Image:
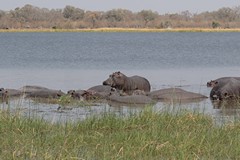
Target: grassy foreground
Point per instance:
(126, 30)
(148, 135)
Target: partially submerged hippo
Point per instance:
(95, 92)
(45, 94)
(76, 94)
(101, 88)
(228, 90)
(14, 93)
(220, 81)
(130, 99)
(40, 92)
(175, 94)
(128, 84)
(29, 88)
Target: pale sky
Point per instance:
(161, 6)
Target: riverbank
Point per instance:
(149, 135)
(125, 30)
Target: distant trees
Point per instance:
(72, 17)
(73, 13)
(147, 16)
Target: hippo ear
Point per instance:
(216, 82)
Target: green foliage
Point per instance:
(215, 25)
(149, 135)
(73, 13)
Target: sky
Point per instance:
(160, 6)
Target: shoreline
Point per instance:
(124, 30)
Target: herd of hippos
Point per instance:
(132, 90)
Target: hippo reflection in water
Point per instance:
(127, 84)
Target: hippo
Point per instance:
(50, 93)
(40, 92)
(101, 88)
(30, 89)
(228, 90)
(14, 93)
(175, 94)
(96, 92)
(76, 94)
(130, 99)
(127, 84)
(220, 81)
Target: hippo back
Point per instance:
(220, 81)
(101, 88)
(140, 83)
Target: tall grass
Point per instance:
(148, 135)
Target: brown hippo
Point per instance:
(175, 94)
(40, 92)
(96, 92)
(45, 94)
(30, 89)
(101, 88)
(222, 80)
(228, 90)
(14, 93)
(130, 99)
(127, 84)
(76, 94)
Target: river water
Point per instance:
(81, 60)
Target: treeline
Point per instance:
(71, 17)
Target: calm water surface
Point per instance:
(80, 60)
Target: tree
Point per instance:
(148, 16)
(73, 13)
(215, 24)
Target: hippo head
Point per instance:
(212, 83)
(109, 81)
(73, 94)
(118, 79)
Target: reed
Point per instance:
(125, 30)
(147, 135)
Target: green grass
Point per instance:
(148, 135)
